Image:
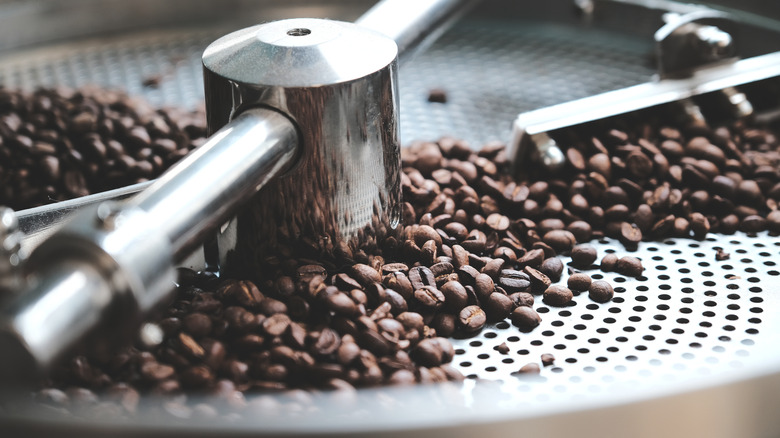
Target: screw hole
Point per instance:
(299, 31)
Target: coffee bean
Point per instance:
(197, 324)
(502, 348)
(472, 319)
(557, 296)
(547, 359)
(561, 241)
(629, 266)
(539, 281)
(600, 291)
(522, 299)
(583, 256)
(525, 318)
(421, 276)
(529, 368)
(514, 281)
(497, 306)
(455, 296)
(630, 235)
(578, 281)
(429, 297)
(433, 352)
(552, 267)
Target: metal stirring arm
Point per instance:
(114, 263)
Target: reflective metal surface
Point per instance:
(338, 83)
(637, 97)
(431, 18)
(113, 264)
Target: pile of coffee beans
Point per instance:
(57, 144)
(478, 246)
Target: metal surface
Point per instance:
(723, 383)
(307, 69)
(431, 18)
(647, 95)
(337, 82)
(114, 263)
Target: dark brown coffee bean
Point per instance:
(583, 256)
(514, 281)
(630, 235)
(522, 299)
(429, 297)
(421, 276)
(547, 359)
(197, 324)
(525, 318)
(472, 319)
(529, 368)
(483, 285)
(532, 258)
(502, 348)
(433, 352)
(561, 241)
(365, 274)
(497, 222)
(539, 281)
(600, 291)
(552, 267)
(578, 281)
(557, 295)
(455, 296)
(629, 266)
(497, 306)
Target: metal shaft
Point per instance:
(413, 24)
(205, 189)
(114, 263)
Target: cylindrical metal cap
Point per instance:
(338, 83)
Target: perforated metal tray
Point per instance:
(686, 350)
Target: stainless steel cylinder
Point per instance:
(338, 83)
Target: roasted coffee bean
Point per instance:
(429, 297)
(497, 306)
(529, 368)
(472, 319)
(522, 299)
(629, 266)
(609, 262)
(525, 318)
(455, 295)
(552, 267)
(433, 352)
(502, 348)
(578, 281)
(514, 281)
(630, 235)
(539, 281)
(557, 295)
(547, 359)
(600, 291)
(421, 276)
(583, 256)
(561, 241)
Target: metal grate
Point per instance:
(689, 318)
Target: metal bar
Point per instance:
(647, 95)
(203, 190)
(413, 24)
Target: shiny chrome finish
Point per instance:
(114, 263)
(693, 40)
(413, 24)
(704, 80)
(205, 189)
(11, 256)
(338, 82)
